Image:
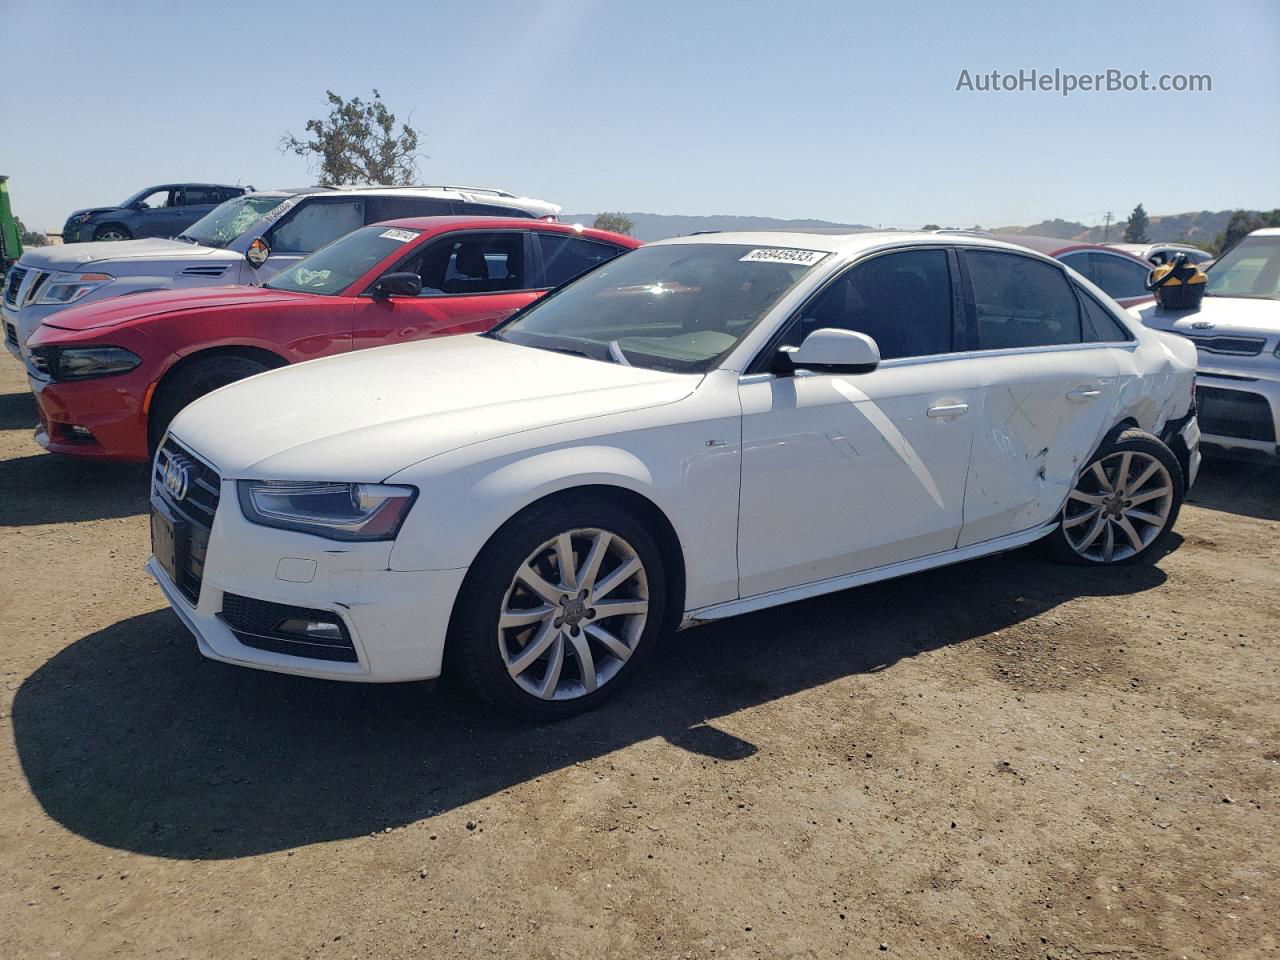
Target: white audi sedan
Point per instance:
(703, 427)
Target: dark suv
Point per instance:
(163, 211)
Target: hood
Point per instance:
(90, 210)
(366, 415)
(116, 310)
(74, 256)
(1228, 315)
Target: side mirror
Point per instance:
(397, 285)
(139, 205)
(257, 253)
(829, 350)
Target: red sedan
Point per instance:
(109, 376)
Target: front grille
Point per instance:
(1235, 413)
(256, 624)
(1230, 346)
(15, 278)
(194, 510)
(11, 334)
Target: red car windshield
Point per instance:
(333, 268)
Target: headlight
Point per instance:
(81, 218)
(339, 511)
(80, 363)
(70, 287)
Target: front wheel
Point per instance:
(111, 232)
(1124, 503)
(559, 609)
(201, 377)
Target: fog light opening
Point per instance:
(314, 630)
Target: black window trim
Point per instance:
(541, 274)
(762, 362)
(528, 246)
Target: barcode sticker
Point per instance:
(804, 258)
(404, 236)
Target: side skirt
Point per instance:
(804, 591)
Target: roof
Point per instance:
(441, 224)
(1266, 232)
(847, 243)
(471, 194)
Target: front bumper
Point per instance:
(396, 620)
(110, 408)
(1239, 414)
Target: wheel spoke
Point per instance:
(617, 608)
(1079, 518)
(591, 563)
(609, 641)
(1095, 531)
(1109, 545)
(1131, 533)
(613, 580)
(564, 560)
(1152, 518)
(1122, 474)
(1147, 495)
(586, 662)
(1101, 476)
(522, 618)
(1097, 499)
(530, 578)
(543, 639)
(1145, 475)
(552, 677)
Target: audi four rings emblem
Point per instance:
(177, 478)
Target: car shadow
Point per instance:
(129, 738)
(44, 488)
(1243, 487)
(17, 411)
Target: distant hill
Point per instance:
(1198, 228)
(660, 226)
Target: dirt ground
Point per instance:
(1004, 759)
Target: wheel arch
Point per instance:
(118, 224)
(174, 373)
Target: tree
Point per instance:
(1241, 224)
(1135, 228)
(30, 238)
(931, 226)
(614, 222)
(358, 143)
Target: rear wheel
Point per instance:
(112, 231)
(203, 376)
(1124, 504)
(559, 609)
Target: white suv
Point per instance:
(702, 427)
(244, 240)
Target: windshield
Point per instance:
(1249, 269)
(331, 269)
(677, 307)
(227, 221)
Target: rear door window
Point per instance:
(311, 225)
(396, 208)
(565, 257)
(1119, 277)
(197, 195)
(1021, 302)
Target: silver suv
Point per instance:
(245, 240)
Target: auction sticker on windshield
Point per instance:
(404, 236)
(805, 258)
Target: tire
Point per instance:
(561, 654)
(1105, 522)
(203, 376)
(112, 231)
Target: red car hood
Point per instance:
(138, 306)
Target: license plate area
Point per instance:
(168, 536)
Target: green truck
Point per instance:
(10, 239)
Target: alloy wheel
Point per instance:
(573, 614)
(108, 235)
(1120, 504)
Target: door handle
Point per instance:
(1084, 394)
(943, 410)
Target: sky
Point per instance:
(844, 111)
